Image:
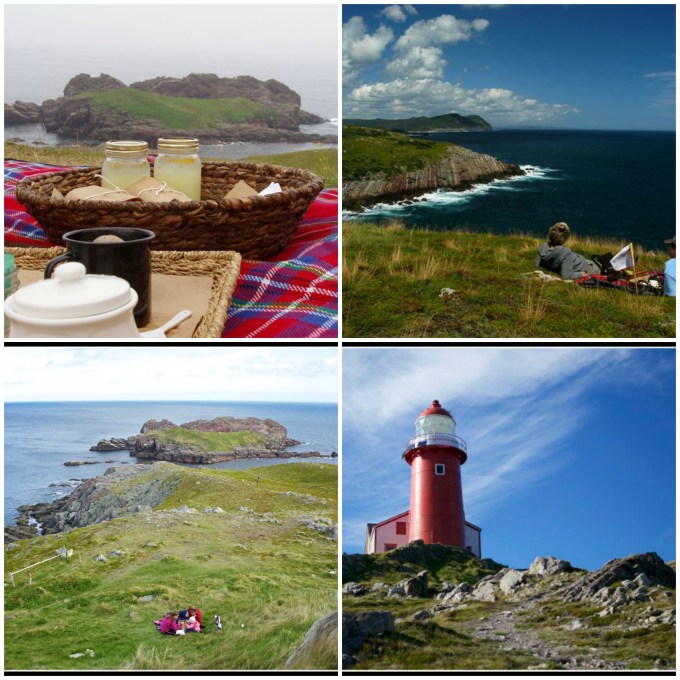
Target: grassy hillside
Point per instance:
(181, 113)
(367, 151)
(267, 574)
(323, 162)
(447, 121)
(443, 563)
(209, 442)
(392, 278)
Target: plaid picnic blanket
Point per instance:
(293, 295)
(640, 288)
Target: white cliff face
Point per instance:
(459, 171)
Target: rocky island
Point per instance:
(384, 166)
(219, 440)
(201, 105)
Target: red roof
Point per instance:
(435, 409)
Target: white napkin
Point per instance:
(273, 188)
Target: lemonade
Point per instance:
(179, 166)
(125, 164)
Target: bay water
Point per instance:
(602, 183)
(40, 437)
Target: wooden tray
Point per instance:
(221, 266)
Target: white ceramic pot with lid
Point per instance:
(73, 304)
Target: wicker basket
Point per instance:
(224, 267)
(257, 227)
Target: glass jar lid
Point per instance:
(127, 149)
(178, 145)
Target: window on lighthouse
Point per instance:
(439, 469)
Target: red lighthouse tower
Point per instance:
(435, 455)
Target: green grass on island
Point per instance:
(367, 152)
(209, 442)
(392, 278)
(267, 574)
(179, 112)
(322, 162)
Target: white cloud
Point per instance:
(430, 96)
(398, 13)
(418, 62)
(360, 48)
(172, 373)
(444, 29)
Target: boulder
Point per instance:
(322, 635)
(396, 591)
(548, 566)
(511, 580)
(354, 589)
(415, 586)
(456, 595)
(356, 628)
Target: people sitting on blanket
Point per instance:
(669, 270)
(191, 611)
(170, 625)
(556, 257)
(192, 625)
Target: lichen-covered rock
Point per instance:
(511, 580)
(322, 634)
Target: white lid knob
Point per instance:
(70, 271)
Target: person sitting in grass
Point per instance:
(556, 257)
(169, 624)
(669, 270)
(192, 625)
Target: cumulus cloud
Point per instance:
(442, 30)
(398, 13)
(429, 96)
(419, 62)
(361, 48)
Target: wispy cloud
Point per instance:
(663, 85)
(398, 13)
(519, 409)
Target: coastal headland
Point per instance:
(222, 439)
(383, 166)
(202, 105)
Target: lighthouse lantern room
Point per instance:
(436, 513)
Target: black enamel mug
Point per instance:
(129, 259)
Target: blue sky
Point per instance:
(571, 451)
(572, 66)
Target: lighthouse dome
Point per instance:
(435, 420)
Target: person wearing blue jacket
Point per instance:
(556, 257)
(669, 270)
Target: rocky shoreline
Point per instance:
(75, 116)
(461, 170)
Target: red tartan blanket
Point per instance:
(294, 295)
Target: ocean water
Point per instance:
(40, 437)
(614, 184)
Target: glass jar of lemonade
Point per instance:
(179, 166)
(125, 164)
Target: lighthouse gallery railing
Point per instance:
(435, 440)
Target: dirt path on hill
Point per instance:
(503, 628)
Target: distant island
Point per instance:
(201, 105)
(447, 122)
(386, 166)
(219, 440)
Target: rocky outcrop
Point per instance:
(21, 113)
(84, 82)
(549, 566)
(146, 445)
(119, 491)
(649, 565)
(75, 115)
(459, 171)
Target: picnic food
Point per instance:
(125, 163)
(178, 165)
